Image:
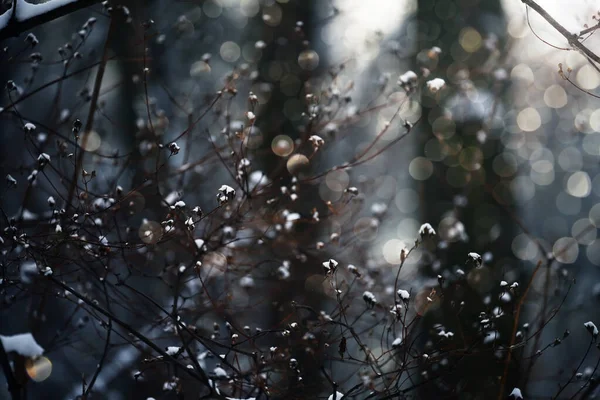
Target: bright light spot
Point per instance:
(579, 184)
(407, 200)
(308, 60)
(524, 248)
(420, 168)
(230, 51)
(522, 73)
(92, 142)
(282, 145)
(392, 249)
(588, 78)
(584, 231)
(150, 232)
(470, 40)
(199, 68)
(555, 96)
(297, 163)
(595, 120)
(566, 250)
(529, 119)
(337, 180)
(38, 369)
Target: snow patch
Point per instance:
(27, 11)
(23, 343)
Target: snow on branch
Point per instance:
(22, 16)
(23, 343)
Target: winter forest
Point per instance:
(299, 199)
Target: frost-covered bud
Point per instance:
(251, 116)
(283, 272)
(369, 298)
(51, 201)
(378, 209)
(198, 211)
(435, 85)
(519, 335)
(252, 98)
(352, 269)
(404, 294)
(408, 81)
(338, 396)
(200, 244)
(174, 148)
(189, 223)
(32, 176)
(330, 265)
(426, 231)
(473, 259)
(77, 126)
(11, 86)
(247, 281)
(244, 164)
(407, 78)
(29, 127)
(43, 159)
(225, 194)
(10, 181)
(403, 254)
(352, 190)
(90, 22)
(173, 350)
(516, 394)
(32, 39)
(592, 329)
(316, 141)
(178, 204)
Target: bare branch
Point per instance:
(572, 38)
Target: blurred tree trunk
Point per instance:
(284, 43)
(469, 34)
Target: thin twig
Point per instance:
(93, 106)
(572, 38)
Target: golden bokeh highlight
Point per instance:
(92, 142)
(282, 145)
(297, 163)
(470, 39)
(38, 369)
(308, 60)
(150, 232)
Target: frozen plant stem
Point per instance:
(93, 106)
